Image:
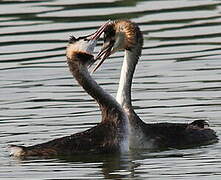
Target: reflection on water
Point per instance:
(177, 80)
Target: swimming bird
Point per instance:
(126, 35)
(109, 136)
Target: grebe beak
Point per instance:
(104, 53)
(95, 36)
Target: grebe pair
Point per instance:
(120, 128)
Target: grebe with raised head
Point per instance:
(109, 136)
(126, 35)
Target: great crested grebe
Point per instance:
(126, 35)
(109, 136)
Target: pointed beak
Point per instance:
(104, 53)
(95, 36)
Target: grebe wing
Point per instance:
(98, 139)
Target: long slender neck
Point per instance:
(110, 109)
(127, 71)
(124, 89)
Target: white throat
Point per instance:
(124, 88)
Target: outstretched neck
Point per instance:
(125, 83)
(110, 109)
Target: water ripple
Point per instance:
(177, 80)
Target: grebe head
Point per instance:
(84, 45)
(120, 35)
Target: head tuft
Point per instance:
(72, 39)
(127, 35)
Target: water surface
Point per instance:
(178, 79)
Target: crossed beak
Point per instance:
(104, 53)
(95, 36)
